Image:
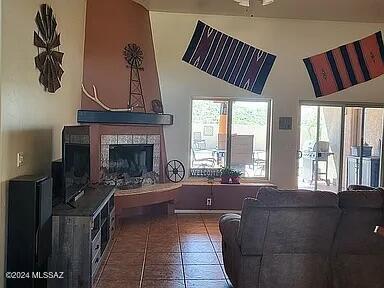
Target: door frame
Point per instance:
(343, 106)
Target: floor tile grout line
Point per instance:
(181, 251)
(107, 257)
(145, 256)
(179, 224)
(216, 252)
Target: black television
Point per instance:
(76, 160)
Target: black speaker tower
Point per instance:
(29, 242)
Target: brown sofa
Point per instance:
(292, 239)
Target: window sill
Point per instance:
(243, 182)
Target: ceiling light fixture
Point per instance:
(246, 2)
(267, 2)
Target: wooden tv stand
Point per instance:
(81, 238)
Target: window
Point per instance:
(248, 123)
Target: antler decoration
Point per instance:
(95, 99)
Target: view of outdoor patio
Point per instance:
(325, 140)
(248, 144)
(319, 148)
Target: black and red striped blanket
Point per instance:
(228, 59)
(347, 65)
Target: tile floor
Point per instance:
(178, 251)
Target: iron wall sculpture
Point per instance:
(49, 60)
(133, 55)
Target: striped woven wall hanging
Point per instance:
(347, 65)
(228, 59)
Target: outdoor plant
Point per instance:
(226, 171)
(235, 176)
(229, 175)
(225, 175)
(236, 173)
(211, 179)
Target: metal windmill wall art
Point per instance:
(134, 56)
(49, 60)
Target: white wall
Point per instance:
(31, 119)
(288, 83)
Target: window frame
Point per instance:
(230, 101)
(344, 105)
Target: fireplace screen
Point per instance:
(134, 160)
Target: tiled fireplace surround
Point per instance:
(123, 139)
(104, 135)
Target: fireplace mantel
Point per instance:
(137, 118)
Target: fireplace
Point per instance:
(135, 160)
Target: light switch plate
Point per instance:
(20, 159)
(285, 123)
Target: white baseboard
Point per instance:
(207, 211)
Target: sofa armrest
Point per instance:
(229, 227)
(379, 231)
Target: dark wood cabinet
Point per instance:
(29, 242)
(81, 237)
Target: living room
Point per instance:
(127, 72)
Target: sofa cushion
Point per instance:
(359, 188)
(270, 197)
(358, 253)
(362, 199)
(362, 211)
(294, 271)
(358, 271)
(285, 222)
(301, 230)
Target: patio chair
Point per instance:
(203, 162)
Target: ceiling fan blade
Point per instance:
(267, 2)
(244, 3)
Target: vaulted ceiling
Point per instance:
(332, 10)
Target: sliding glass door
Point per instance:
(340, 145)
(373, 137)
(363, 146)
(320, 143)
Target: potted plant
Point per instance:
(225, 174)
(235, 176)
(211, 179)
